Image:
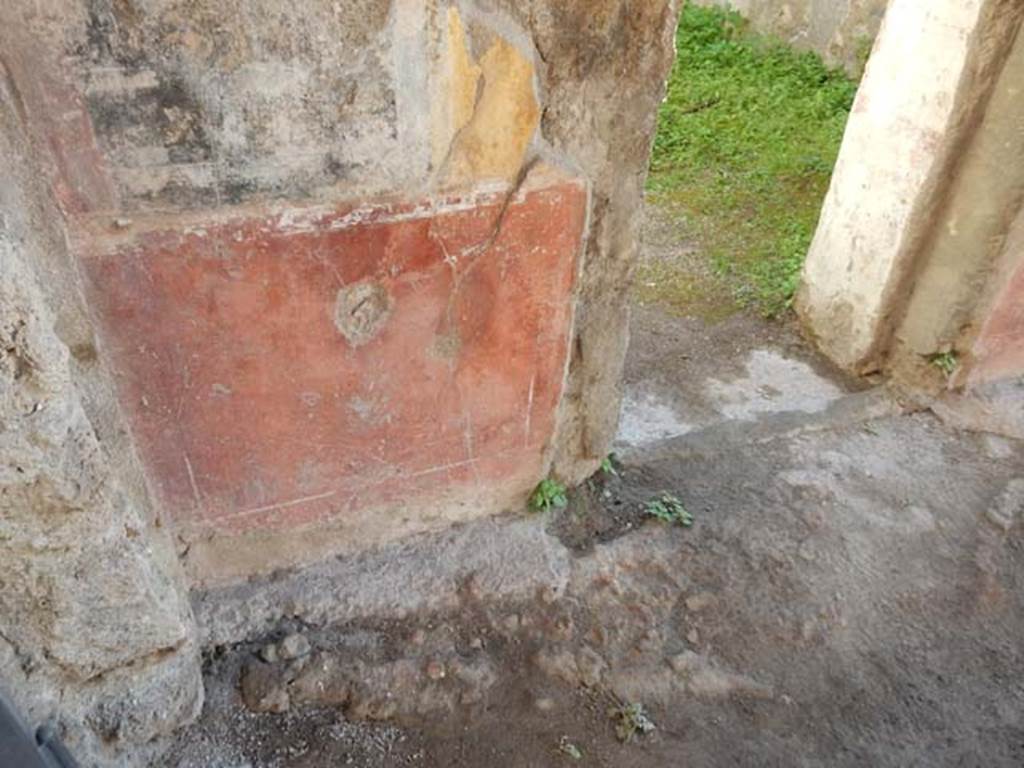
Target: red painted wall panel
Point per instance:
(252, 408)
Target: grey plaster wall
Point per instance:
(842, 31)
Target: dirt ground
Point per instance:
(851, 593)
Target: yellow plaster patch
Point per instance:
(490, 110)
(460, 77)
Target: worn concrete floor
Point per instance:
(851, 593)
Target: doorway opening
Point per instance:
(746, 141)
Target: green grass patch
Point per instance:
(683, 292)
(746, 142)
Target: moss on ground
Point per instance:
(746, 142)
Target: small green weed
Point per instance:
(669, 509)
(631, 720)
(747, 137)
(947, 362)
(548, 493)
(566, 747)
(608, 465)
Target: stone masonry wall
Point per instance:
(288, 280)
(175, 128)
(973, 248)
(916, 242)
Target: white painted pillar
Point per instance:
(888, 170)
